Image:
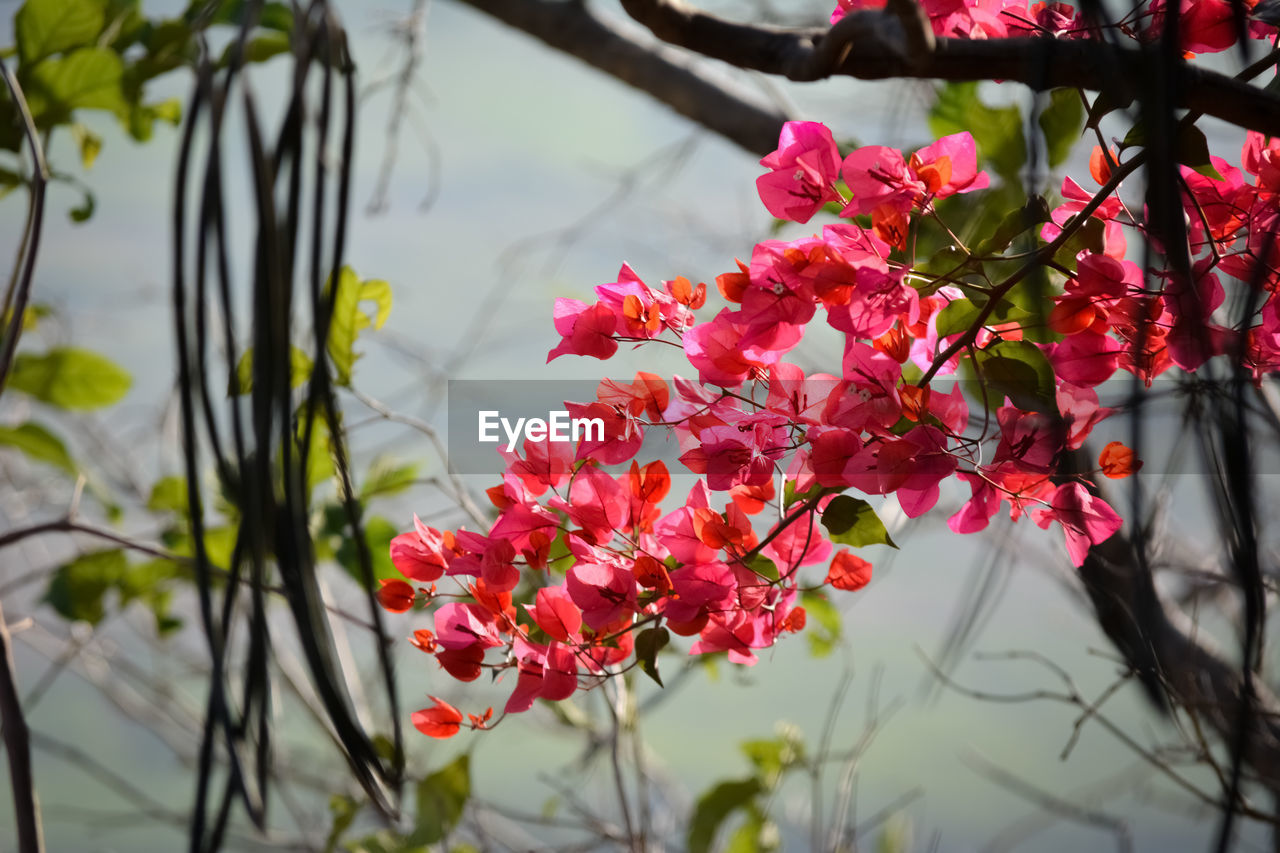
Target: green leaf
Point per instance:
(142, 117)
(649, 642)
(948, 261)
(77, 589)
(348, 319)
(44, 27)
(442, 796)
(1034, 212)
(378, 533)
(772, 758)
(272, 16)
(715, 806)
(852, 521)
(996, 130)
(39, 444)
(260, 48)
(384, 841)
(9, 181)
(385, 478)
(824, 613)
(826, 617)
(89, 78)
(896, 835)
(790, 496)
(88, 142)
(300, 367)
(1106, 103)
(1193, 151)
(1018, 370)
(757, 834)
(169, 494)
(1089, 237)
(1061, 122)
(958, 316)
(764, 567)
(84, 211)
(70, 378)
(344, 811)
(320, 465)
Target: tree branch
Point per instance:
(872, 45)
(1160, 640)
(17, 743)
(662, 72)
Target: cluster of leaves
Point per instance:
(605, 576)
(70, 379)
(75, 56)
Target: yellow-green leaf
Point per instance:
(70, 378)
(39, 444)
(44, 27)
(441, 798)
(88, 142)
(88, 78)
(347, 319)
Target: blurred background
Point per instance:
(521, 175)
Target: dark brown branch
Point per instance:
(19, 290)
(871, 45)
(655, 69)
(17, 744)
(1153, 636)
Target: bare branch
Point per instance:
(871, 45)
(17, 744)
(664, 73)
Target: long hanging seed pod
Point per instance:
(261, 466)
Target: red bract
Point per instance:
(587, 330)
(441, 720)
(556, 614)
(420, 554)
(395, 595)
(1118, 461)
(848, 571)
(582, 557)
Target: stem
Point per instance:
(17, 742)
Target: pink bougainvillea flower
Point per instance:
(420, 554)
(699, 589)
(549, 673)
(976, 514)
(949, 166)
(622, 436)
(459, 625)
(638, 310)
(881, 179)
(597, 503)
(799, 544)
(802, 172)
(586, 330)
(555, 613)
(604, 592)
(1086, 520)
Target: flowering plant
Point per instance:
(606, 575)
